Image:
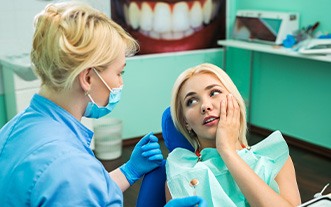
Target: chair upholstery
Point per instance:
(172, 137)
(152, 190)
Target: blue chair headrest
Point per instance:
(152, 191)
(172, 137)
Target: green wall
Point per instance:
(3, 116)
(289, 94)
(293, 95)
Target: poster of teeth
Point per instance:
(162, 26)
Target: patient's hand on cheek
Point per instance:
(229, 124)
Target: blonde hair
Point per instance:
(70, 37)
(176, 106)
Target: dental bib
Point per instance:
(215, 183)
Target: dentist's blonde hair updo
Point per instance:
(71, 37)
(176, 107)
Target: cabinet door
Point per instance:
(21, 84)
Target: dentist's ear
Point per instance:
(84, 79)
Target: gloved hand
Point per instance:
(145, 157)
(191, 201)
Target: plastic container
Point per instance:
(107, 138)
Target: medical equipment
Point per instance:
(264, 26)
(320, 193)
(319, 200)
(315, 46)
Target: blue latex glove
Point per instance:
(191, 201)
(289, 41)
(145, 157)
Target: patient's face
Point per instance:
(201, 96)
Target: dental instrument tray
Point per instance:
(315, 46)
(319, 200)
(322, 201)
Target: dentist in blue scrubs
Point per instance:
(45, 156)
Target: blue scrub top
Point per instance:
(45, 160)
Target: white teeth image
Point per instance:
(178, 35)
(196, 16)
(154, 35)
(146, 18)
(180, 17)
(144, 32)
(207, 11)
(134, 15)
(126, 14)
(188, 32)
(162, 18)
(170, 21)
(166, 36)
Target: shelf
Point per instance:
(278, 50)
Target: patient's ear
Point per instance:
(188, 127)
(84, 79)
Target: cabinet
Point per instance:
(19, 83)
(264, 48)
(287, 91)
(277, 50)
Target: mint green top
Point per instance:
(216, 184)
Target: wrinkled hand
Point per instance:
(191, 201)
(229, 124)
(145, 157)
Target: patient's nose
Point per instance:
(206, 107)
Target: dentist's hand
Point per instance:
(145, 157)
(191, 201)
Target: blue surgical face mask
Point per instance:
(94, 111)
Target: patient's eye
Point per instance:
(215, 92)
(191, 101)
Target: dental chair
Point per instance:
(152, 190)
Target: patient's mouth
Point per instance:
(162, 26)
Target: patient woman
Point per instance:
(209, 111)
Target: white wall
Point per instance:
(16, 24)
